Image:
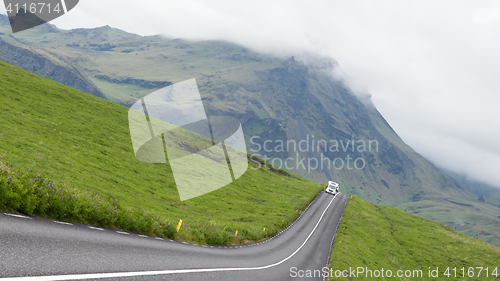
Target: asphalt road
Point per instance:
(42, 249)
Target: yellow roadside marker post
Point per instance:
(179, 225)
(236, 234)
(264, 229)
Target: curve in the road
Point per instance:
(173, 271)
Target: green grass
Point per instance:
(28, 192)
(375, 237)
(81, 141)
(476, 219)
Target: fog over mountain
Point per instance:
(431, 67)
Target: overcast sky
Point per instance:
(432, 67)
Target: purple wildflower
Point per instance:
(53, 184)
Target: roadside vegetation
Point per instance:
(82, 144)
(30, 193)
(379, 237)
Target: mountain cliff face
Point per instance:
(343, 137)
(295, 115)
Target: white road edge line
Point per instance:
(121, 232)
(162, 272)
(17, 216)
(96, 228)
(61, 222)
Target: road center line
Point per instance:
(164, 272)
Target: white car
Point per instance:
(332, 188)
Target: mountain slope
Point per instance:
(39, 61)
(398, 241)
(52, 69)
(275, 100)
(82, 141)
(485, 192)
(278, 100)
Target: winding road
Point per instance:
(36, 249)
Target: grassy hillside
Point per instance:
(448, 202)
(82, 141)
(378, 237)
